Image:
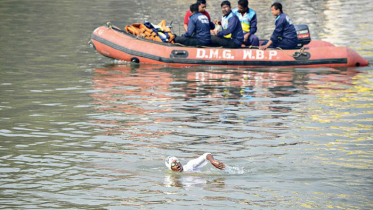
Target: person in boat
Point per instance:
(284, 35)
(231, 35)
(194, 165)
(198, 32)
(248, 21)
(201, 9)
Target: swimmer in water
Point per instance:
(194, 165)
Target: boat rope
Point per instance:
(301, 52)
(198, 46)
(109, 25)
(181, 45)
(117, 30)
(296, 54)
(178, 24)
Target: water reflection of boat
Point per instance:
(242, 83)
(136, 96)
(119, 45)
(154, 83)
(320, 79)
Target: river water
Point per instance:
(79, 131)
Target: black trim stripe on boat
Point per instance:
(217, 62)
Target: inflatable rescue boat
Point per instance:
(115, 43)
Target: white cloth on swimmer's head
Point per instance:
(195, 165)
(169, 160)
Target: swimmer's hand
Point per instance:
(215, 163)
(218, 164)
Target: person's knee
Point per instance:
(254, 40)
(233, 44)
(180, 39)
(217, 41)
(253, 37)
(177, 39)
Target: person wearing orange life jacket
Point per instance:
(201, 9)
(198, 33)
(248, 21)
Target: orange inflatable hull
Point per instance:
(126, 47)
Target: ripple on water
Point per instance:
(76, 134)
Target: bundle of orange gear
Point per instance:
(139, 29)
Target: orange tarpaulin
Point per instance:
(139, 29)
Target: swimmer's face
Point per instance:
(176, 166)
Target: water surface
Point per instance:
(80, 131)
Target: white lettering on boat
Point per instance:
(201, 53)
(228, 54)
(247, 54)
(259, 54)
(272, 53)
(214, 53)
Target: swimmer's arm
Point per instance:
(215, 163)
